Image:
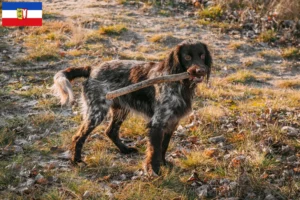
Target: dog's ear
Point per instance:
(172, 62)
(208, 60)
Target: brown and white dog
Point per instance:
(163, 105)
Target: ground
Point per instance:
(242, 140)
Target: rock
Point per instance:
(290, 131)
(23, 190)
(135, 178)
(225, 147)
(12, 150)
(34, 137)
(233, 185)
(286, 149)
(217, 139)
(270, 197)
(202, 191)
(21, 142)
(123, 177)
(287, 24)
(292, 158)
(66, 155)
(39, 176)
(209, 3)
(25, 88)
(30, 103)
(29, 182)
(224, 181)
(86, 194)
(138, 173)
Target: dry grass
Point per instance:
(285, 10)
(41, 50)
(269, 54)
(247, 115)
(158, 37)
(289, 84)
(243, 77)
(236, 44)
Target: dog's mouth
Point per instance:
(197, 74)
(197, 79)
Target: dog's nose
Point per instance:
(200, 71)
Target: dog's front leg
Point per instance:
(154, 150)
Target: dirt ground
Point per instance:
(242, 140)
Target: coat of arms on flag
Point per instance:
(22, 14)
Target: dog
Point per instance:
(163, 105)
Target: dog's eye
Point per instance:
(202, 56)
(187, 57)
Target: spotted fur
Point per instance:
(163, 105)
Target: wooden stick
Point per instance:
(146, 83)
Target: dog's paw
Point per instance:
(129, 150)
(79, 163)
(152, 170)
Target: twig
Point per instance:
(146, 83)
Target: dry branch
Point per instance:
(146, 83)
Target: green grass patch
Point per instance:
(267, 36)
(291, 52)
(165, 13)
(113, 30)
(213, 12)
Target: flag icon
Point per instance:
(22, 14)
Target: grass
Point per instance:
(41, 50)
(291, 53)
(267, 36)
(236, 45)
(246, 114)
(157, 38)
(113, 29)
(289, 84)
(128, 55)
(213, 12)
(165, 13)
(243, 77)
(269, 54)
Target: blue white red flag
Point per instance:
(22, 14)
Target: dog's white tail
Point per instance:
(62, 87)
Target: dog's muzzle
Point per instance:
(197, 73)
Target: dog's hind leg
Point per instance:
(79, 138)
(96, 109)
(112, 131)
(87, 126)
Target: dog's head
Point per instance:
(193, 57)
